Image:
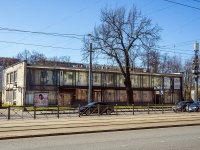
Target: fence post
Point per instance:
(58, 111)
(79, 110)
(34, 112)
(133, 109)
(116, 110)
(23, 109)
(175, 108)
(162, 109)
(107, 110)
(148, 107)
(9, 112)
(98, 110)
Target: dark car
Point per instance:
(96, 108)
(194, 107)
(181, 106)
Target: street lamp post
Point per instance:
(90, 75)
(195, 70)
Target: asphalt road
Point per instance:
(176, 138)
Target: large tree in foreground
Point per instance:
(119, 37)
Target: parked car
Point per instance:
(96, 108)
(194, 107)
(181, 106)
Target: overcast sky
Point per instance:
(179, 19)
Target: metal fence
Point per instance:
(21, 112)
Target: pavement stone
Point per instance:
(13, 129)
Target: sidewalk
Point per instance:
(90, 124)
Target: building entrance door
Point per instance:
(157, 98)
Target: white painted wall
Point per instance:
(18, 86)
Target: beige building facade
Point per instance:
(43, 85)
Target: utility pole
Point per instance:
(90, 76)
(195, 69)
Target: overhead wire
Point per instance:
(37, 45)
(43, 33)
(183, 4)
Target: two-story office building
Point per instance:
(43, 85)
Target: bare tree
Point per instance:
(150, 58)
(188, 79)
(25, 55)
(119, 36)
(177, 65)
(60, 59)
(31, 57)
(172, 64)
(164, 67)
(35, 57)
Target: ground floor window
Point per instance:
(109, 95)
(32, 96)
(123, 96)
(146, 96)
(66, 97)
(82, 95)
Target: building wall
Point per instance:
(66, 86)
(72, 86)
(13, 85)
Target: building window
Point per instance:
(109, 96)
(157, 81)
(68, 78)
(97, 79)
(177, 83)
(120, 81)
(48, 77)
(122, 96)
(14, 95)
(12, 77)
(82, 78)
(147, 96)
(108, 80)
(145, 81)
(136, 96)
(82, 95)
(135, 80)
(8, 78)
(15, 76)
(167, 83)
(43, 77)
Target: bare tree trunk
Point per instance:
(128, 85)
(129, 92)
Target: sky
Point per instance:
(179, 20)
